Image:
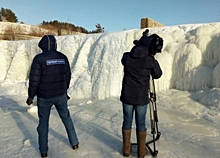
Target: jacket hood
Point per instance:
(139, 52)
(145, 41)
(48, 42)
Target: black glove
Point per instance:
(68, 97)
(135, 42)
(29, 101)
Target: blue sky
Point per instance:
(114, 15)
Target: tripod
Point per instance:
(154, 120)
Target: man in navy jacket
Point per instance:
(49, 80)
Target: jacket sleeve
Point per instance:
(156, 70)
(123, 59)
(68, 73)
(34, 78)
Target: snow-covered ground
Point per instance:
(188, 95)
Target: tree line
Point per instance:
(9, 15)
(59, 26)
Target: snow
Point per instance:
(24, 28)
(188, 95)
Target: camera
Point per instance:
(154, 43)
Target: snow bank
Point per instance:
(24, 28)
(190, 60)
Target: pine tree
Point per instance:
(8, 15)
(99, 28)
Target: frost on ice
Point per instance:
(190, 60)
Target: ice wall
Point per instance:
(190, 60)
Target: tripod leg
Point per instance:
(154, 120)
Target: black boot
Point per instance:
(75, 146)
(44, 155)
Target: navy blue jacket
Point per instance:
(50, 71)
(138, 66)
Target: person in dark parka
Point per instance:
(139, 64)
(49, 80)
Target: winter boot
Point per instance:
(75, 146)
(141, 140)
(43, 155)
(126, 142)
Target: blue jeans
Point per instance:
(140, 116)
(44, 107)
